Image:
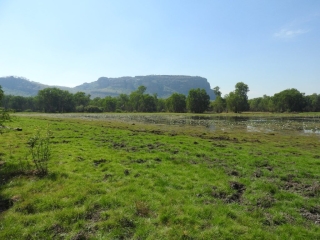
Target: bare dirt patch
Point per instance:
(312, 214)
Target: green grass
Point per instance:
(113, 180)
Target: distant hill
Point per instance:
(20, 86)
(163, 85)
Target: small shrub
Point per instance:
(39, 146)
(92, 109)
(80, 108)
(4, 117)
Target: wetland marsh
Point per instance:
(158, 176)
(305, 124)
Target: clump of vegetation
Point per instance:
(4, 114)
(39, 146)
(4, 117)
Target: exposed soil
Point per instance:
(266, 201)
(309, 190)
(93, 216)
(98, 162)
(57, 229)
(140, 161)
(80, 236)
(258, 173)
(235, 197)
(5, 204)
(312, 214)
(233, 173)
(118, 145)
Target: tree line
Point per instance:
(53, 100)
(289, 100)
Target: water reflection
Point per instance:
(225, 123)
(304, 125)
(311, 131)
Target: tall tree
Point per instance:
(313, 102)
(149, 103)
(110, 104)
(176, 103)
(237, 101)
(219, 104)
(198, 100)
(216, 91)
(123, 102)
(97, 101)
(141, 102)
(161, 105)
(81, 99)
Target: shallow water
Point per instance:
(301, 125)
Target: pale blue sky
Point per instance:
(271, 45)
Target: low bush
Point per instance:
(39, 146)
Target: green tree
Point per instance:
(237, 101)
(261, 104)
(141, 89)
(81, 99)
(312, 102)
(149, 103)
(136, 99)
(123, 102)
(290, 100)
(216, 91)
(198, 100)
(161, 105)
(219, 104)
(110, 104)
(97, 101)
(176, 103)
(55, 100)
(19, 103)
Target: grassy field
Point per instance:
(118, 180)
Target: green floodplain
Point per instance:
(161, 176)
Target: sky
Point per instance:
(270, 45)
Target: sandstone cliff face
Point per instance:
(163, 85)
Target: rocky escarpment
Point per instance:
(162, 85)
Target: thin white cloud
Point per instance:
(288, 33)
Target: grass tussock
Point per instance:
(117, 180)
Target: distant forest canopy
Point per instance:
(163, 85)
(54, 100)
